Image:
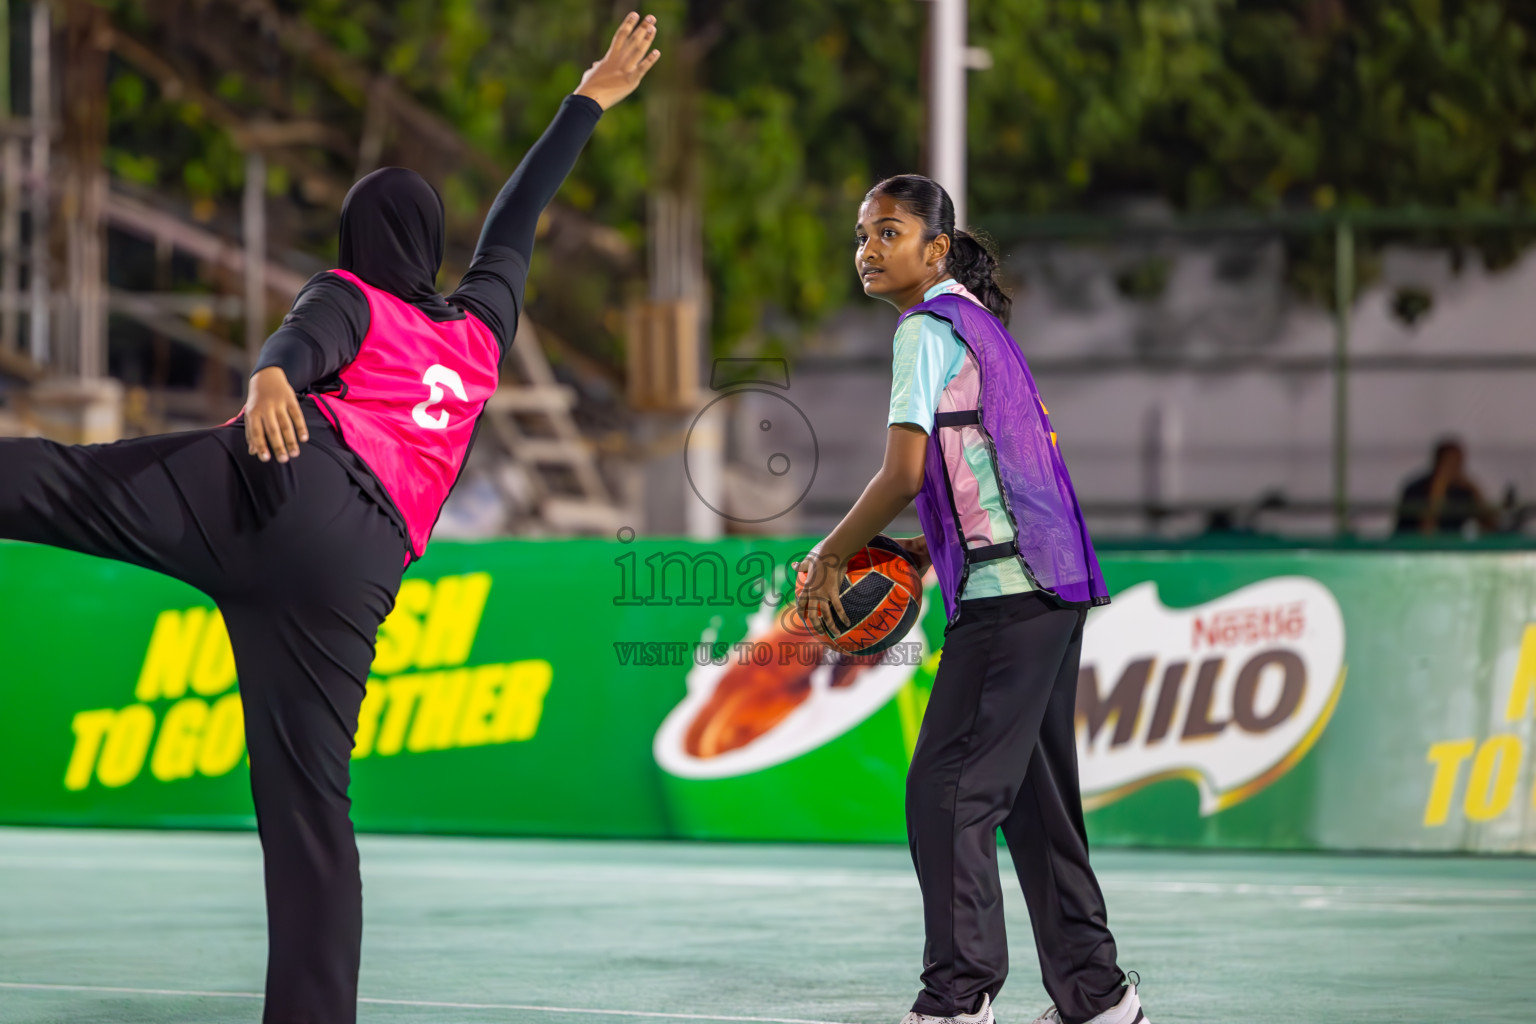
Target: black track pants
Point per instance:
(304, 568)
(997, 750)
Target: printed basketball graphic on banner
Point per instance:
(1229, 695)
(749, 714)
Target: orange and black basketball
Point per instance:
(881, 592)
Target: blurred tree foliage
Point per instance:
(1219, 104)
(1271, 105)
(1207, 104)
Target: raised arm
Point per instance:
(515, 213)
(493, 286)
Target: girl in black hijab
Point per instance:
(304, 557)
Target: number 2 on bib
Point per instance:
(437, 378)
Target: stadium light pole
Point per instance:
(946, 99)
(949, 57)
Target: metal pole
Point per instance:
(11, 175)
(1344, 294)
(253, 216)
(10, 195)
(5, 58)
(946, 100)
(81, 321)
(42, 116)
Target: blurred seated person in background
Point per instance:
(1445, 499)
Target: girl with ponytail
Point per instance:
(969, 440)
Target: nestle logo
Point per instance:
(1247, 627)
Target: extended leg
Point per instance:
(304, 567)
(115, 500)
(1049, 845)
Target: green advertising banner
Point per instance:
(1274, 699)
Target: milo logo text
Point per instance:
(1229, 695)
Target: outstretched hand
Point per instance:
(618, 72)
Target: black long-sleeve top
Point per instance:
(324, 330)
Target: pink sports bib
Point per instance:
(409, 402)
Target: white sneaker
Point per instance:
(981, 1016)
(1126, 1011)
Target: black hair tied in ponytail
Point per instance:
(971, 260)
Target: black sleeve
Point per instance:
(321, 334)
(492, 288)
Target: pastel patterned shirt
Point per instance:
(932, 371)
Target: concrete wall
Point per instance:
(1138, 422)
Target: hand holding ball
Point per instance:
(880, 591)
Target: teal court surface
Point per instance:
(128, 927)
